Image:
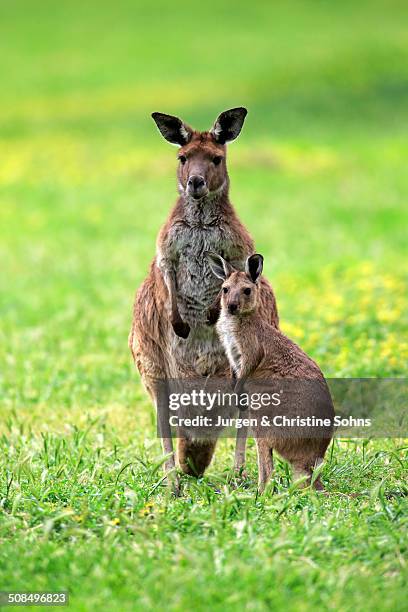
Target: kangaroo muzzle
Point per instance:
(197, 186)
(232, 308)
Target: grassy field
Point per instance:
(319, 176)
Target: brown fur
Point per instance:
(260, 352)
(171, 336)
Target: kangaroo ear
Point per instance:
(254, 266)
(173, 129)
(221, 268)
(229, 124)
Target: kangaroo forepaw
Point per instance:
(181, 329)
(239, 386)
(212, 316)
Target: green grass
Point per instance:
(318, 175)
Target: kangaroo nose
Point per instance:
(196, 182)
(232, 308)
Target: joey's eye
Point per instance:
(247, 291)
(217, 160)
(225, 289)
(182, 159)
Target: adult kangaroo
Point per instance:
(173, 334)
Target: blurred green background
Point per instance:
(319, 176)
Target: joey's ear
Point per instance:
(173, 129)
(229, 124)
(221, 268)
(254, 266)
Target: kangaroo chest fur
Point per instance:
(188, 239)
(196, 285)
(226, 328)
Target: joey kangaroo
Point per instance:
(173, 334)
(257, 352)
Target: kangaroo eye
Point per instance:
(247, 291)
(182, 159)
(217, 160)
(225, 289)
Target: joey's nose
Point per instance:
(196, 182)
(232, 308)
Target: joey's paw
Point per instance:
(238, 478)
(239, 387)
(240, 473)
(173, 482)
(181, 329)
(175, 486)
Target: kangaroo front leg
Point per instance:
(180, 328)
(265, 463)
(248, 364)
(240, 449)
